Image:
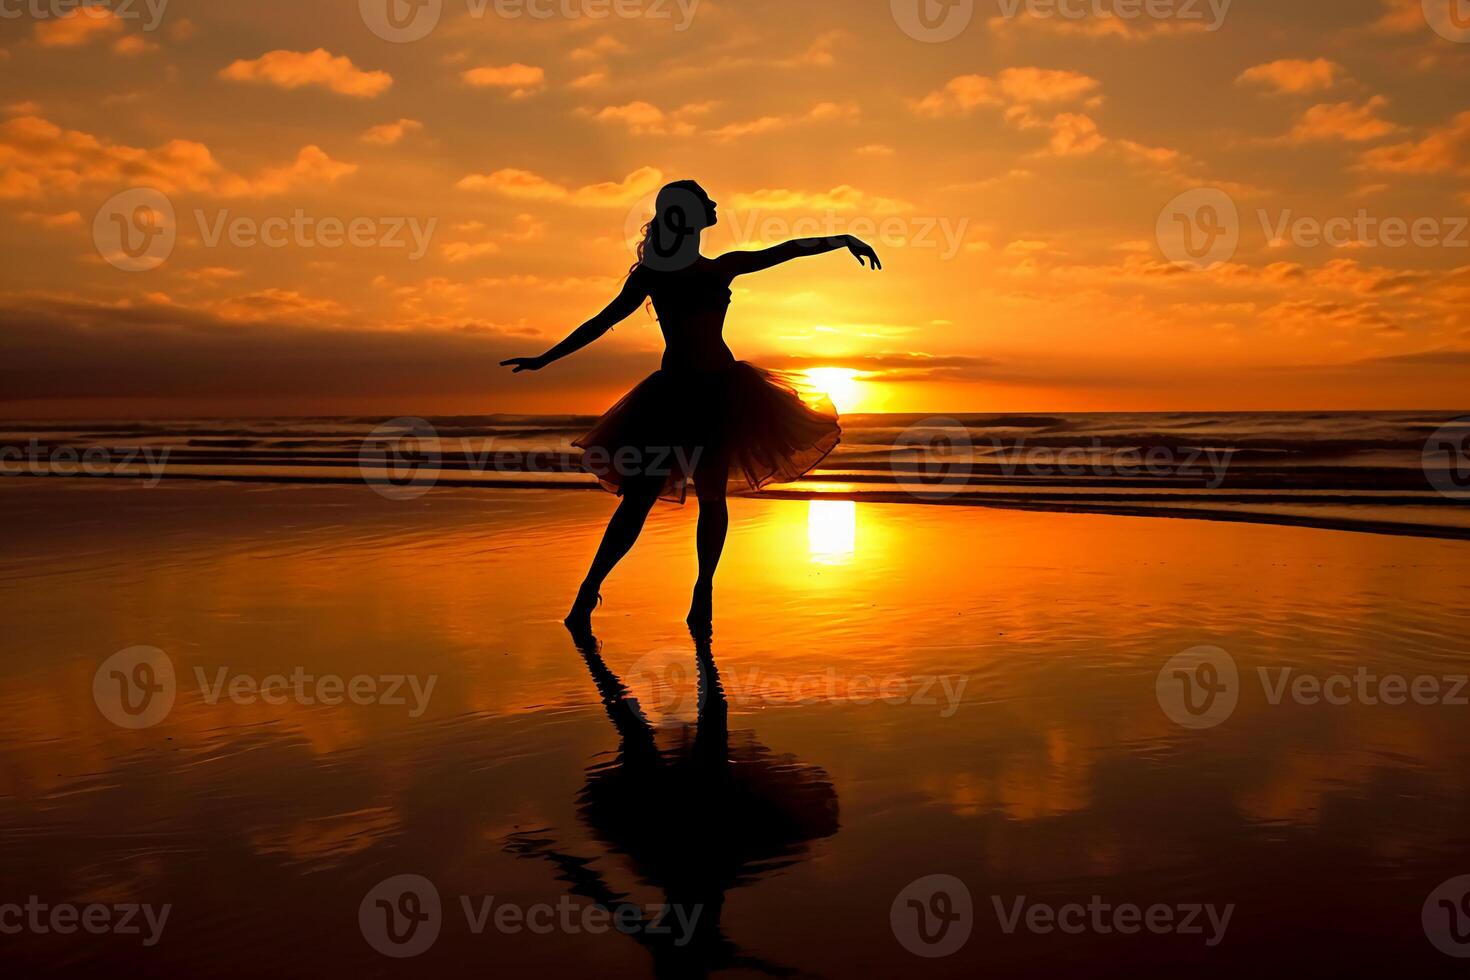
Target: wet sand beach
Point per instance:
(364, 689)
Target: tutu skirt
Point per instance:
(745, 423)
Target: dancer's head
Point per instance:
(671, 238)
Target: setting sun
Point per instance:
(842, 385)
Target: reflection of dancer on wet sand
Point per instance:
(704, 417)
(694, 821)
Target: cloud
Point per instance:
(1160, 157)
(77, 28)
(67, 219)
(821, 112)
(843, 198)
(213, 274)
(1097, 27)
(311, 166)
(896, 366)
(521, 80)
(1401, 17)
(1294, 76)
(528, 186)
(297, 69)
(822, 52)
(600, 48)
(132, 45)
(389, 133)
(256, 347)
(1074, 134)
(456, 252)
(644, 118)
(959, 95)
(589, 81)
(1044, 85)
(1013, 86)
(1343, 121)
(1444, 150)
(37, 157)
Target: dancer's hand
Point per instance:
(524, 364)
(862, 250)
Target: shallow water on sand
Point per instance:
(908, 692)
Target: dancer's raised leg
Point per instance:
(622, 531)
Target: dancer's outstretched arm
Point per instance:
(635, 291)
(741, 263)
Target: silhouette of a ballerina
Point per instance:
(704, 417)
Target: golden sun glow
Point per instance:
(831, 528)
(842, 385)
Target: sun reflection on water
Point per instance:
(831, 527)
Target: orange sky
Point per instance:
(366, 226)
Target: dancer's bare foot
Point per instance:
(579, 620)
(702, 612)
